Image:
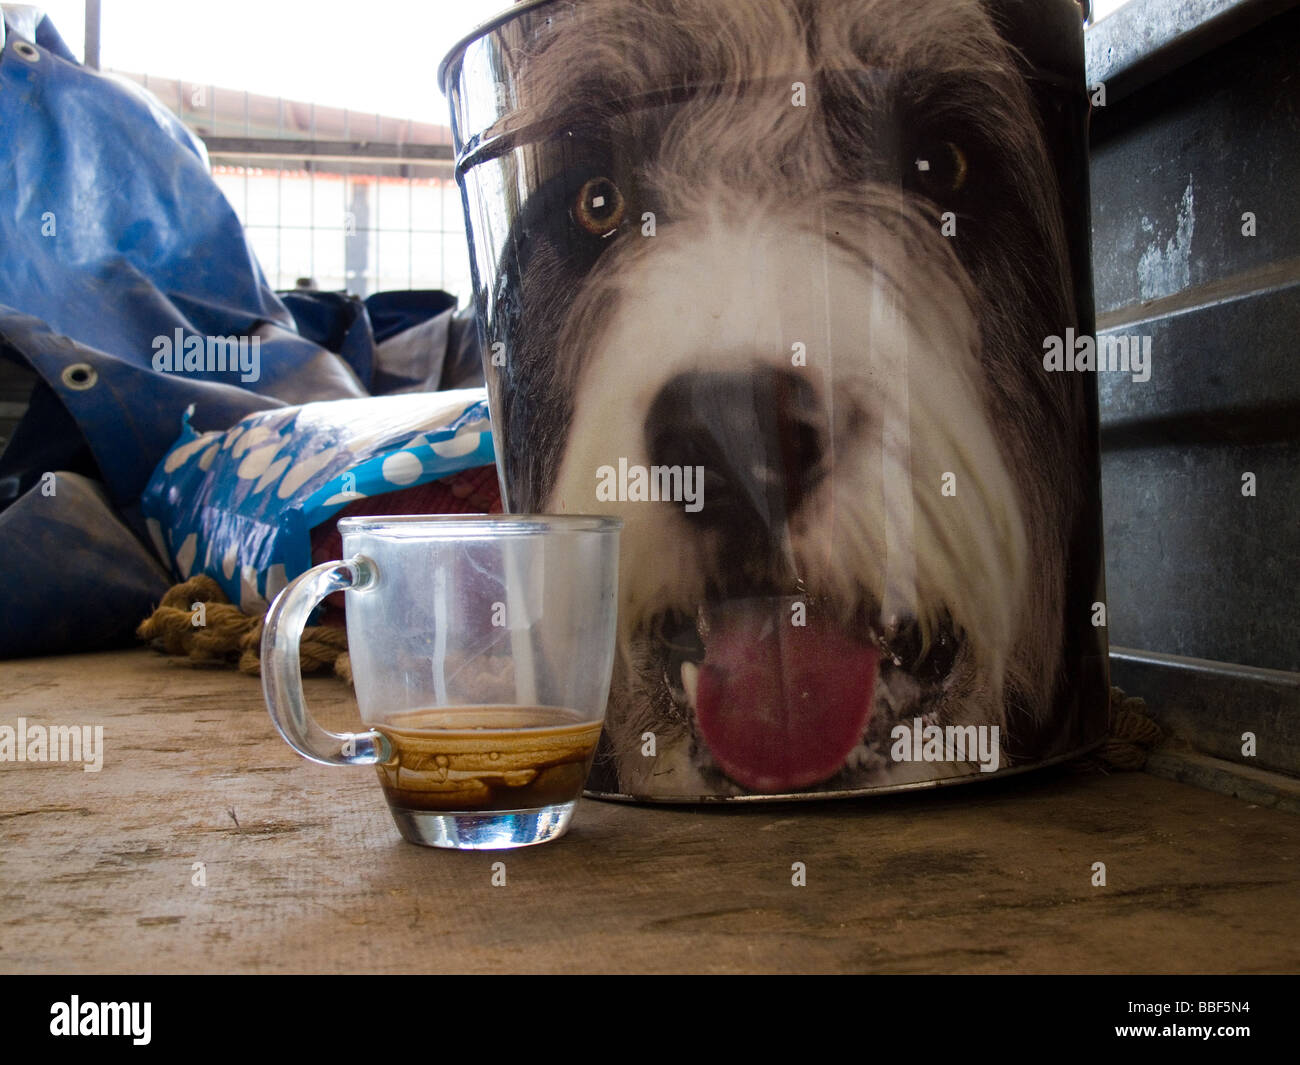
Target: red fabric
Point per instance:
(475, 491)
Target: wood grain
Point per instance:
(305, 871)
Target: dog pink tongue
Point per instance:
(781, 705)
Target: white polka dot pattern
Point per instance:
(241, 503)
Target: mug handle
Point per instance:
(282, 672)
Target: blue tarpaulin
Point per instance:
(116, 249)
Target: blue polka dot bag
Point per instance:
(240, 505)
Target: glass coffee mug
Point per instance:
(481, 651)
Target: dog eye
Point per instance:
(941, 168)
(599, 206)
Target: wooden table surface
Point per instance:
(304, 871)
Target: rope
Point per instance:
(1131, 737)
(231, 637)
(228, 636)
(1133, 734)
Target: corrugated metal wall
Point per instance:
(1196, 244)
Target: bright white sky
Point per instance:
(366, 55)
(1102, 8)
(376, 56)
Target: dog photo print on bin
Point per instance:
(773, 280)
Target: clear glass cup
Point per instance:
(481, 650)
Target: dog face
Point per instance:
(811, 251)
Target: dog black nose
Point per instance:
(758, 437)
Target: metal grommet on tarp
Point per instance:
(27, 51)
(79, 376)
